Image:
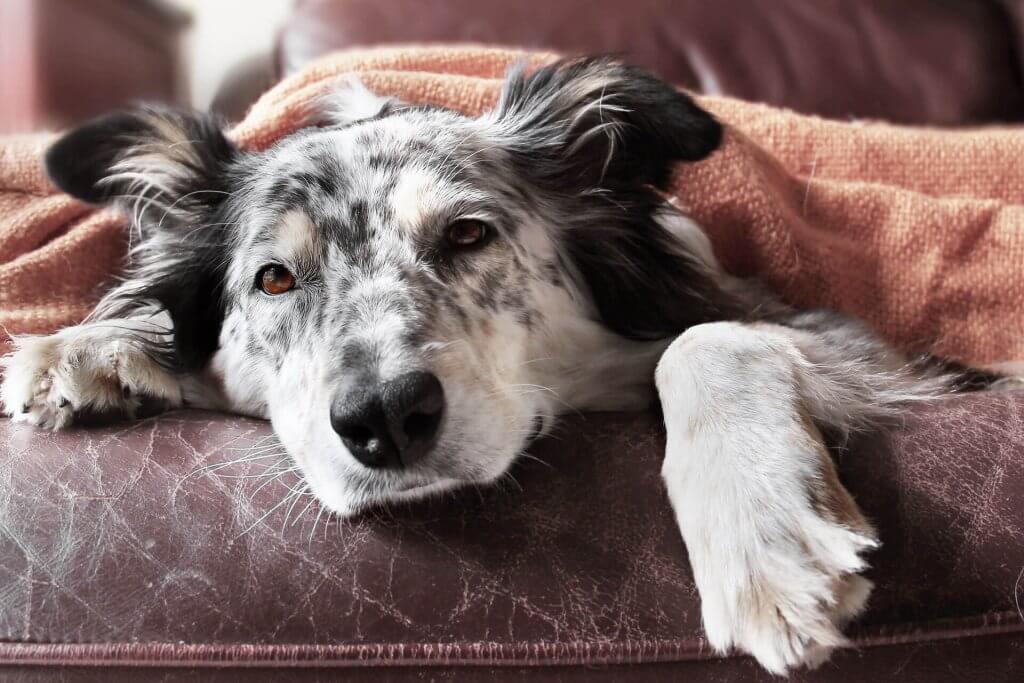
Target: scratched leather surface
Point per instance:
(118, 535)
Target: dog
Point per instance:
(411, 296)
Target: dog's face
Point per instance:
(411, 294)
(395, 285)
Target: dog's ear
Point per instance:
(597, 136)
(157, 153)
(595, 122)
(169, 170)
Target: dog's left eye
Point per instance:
(467, 232)
(275, 279)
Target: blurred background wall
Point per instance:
(211, 53)
(67, 60)
(922, 62)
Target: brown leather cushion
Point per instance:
(941, 62)
(114, 538)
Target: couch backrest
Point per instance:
(940, 62)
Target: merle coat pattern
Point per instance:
(411, 296)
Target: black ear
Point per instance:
(80, 159)
(171, 169)
(593, 121)
(154, 151)
(597, 137)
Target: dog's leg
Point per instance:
(774, 539)
(101, 366)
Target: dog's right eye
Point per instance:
(467, 232)
(275, 279)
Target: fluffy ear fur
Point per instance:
(593, 121)
(171, 170)
(158, 154)
(598, 137)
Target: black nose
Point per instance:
(390, 424)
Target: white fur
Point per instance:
(296, 237)
(95, 366)
(777, 579)
(350, 101)
(417, 192)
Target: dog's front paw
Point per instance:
(786, 596)
(778, 548)
(48, 380)
(29, 392)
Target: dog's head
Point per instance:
(412, 294)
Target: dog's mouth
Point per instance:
(413, 487)
(420, 486)
(406, 492)
(446, 469)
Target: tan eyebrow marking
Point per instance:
(296, 236)
(416, 192)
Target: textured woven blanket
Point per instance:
(920, 232)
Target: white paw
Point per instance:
(774, 539)
(786, 598)
(48, 380)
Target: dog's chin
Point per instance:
(422, 491)
(348, 489)
(348, 498)
(345, 504)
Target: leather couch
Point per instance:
(160, 550)
(937, 62)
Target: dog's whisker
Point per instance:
(297, 493)
(281, 503)
(214, 468)
(323, 509)
(529, 456)
(261, 475)
(270, 480)
(264, 451)
(313, 501)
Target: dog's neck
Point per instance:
(593, 369)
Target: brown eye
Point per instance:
(466, 233)
(275, 279)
